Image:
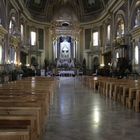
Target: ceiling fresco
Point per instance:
(44, 10)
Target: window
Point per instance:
(95, 39)
(136, 55)
(33, 38)
(12, 24)
(22, 32)
(108, 32)
(15, 58)
(0, 54)
(137, 18)
(117, 55)
(12, 55)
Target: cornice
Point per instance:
(135, 32)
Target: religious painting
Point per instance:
(65, 51)
(92, 5)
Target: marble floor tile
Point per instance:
(78, 113)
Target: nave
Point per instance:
(79, 113)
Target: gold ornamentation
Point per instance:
(3, 31)
(14, 41)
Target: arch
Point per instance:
(95, 63)
(34, 61)
(1, 54)
(12, 54)
(13, 20)
(11, 14)
(122, 13)
(22, 27)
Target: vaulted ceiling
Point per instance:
(85, 10)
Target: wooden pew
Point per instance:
(14, 134)
(19, 122)
(34, 102)
(31, 103)
(136, 102)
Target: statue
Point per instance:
(120, 31)
(137, 19)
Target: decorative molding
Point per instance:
(71, 29)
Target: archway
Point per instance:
(34, 61)
(95, 64)
(65, 33)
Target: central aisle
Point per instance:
(80, 114)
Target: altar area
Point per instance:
(66, 67)
(68, 73)
(66, 56)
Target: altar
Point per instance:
(66, 73)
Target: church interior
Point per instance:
(69, 69)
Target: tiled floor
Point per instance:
(80, 114)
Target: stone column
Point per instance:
(48, 44)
